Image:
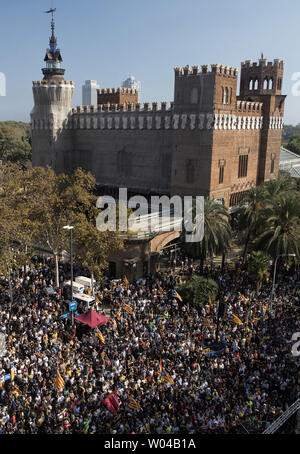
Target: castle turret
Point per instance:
(52, 108)
(262, 82)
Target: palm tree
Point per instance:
(281, 232)
(250, 215)
(258, 267)
(217, 231)
(284, 182)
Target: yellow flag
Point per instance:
(237, 320)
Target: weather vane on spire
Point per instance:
(52, 39)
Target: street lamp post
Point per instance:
(274, 275)
(70, 228)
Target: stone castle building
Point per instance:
(210, 141)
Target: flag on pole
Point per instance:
(58, 381)
(167, 377)
(160, 288)
(176, 295)
(126, 281)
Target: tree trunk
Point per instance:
(10, 289)
(246, 247)
(56, 270)
(223, 260)
(92, 275)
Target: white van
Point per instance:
(77, 288)
(86, 282)
(86, 299)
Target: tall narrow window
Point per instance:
(226, 95)
(243, 166)
(256, 84)
(271, 84)
(251, 84)
(189, 172)
(266, 83)
(221, 174)
(272, 164)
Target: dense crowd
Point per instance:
(243, 388)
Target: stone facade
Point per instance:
(120, 95)
(209, 141)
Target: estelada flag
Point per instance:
(128, 308)
(133, 404)
(176, 295)
(237, 320)
(167, 377)
(126, 281)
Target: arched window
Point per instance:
(226, 95)
(251, 84)
(256, 84)
(266, 83)
(271, 84)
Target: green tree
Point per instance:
(281, 232)
(294, 144)
(93, 247)
(258, 267)
(198, 291)
(249, 216)
(217, 231)
(273, 187)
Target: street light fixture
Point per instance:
(70, 228)
(274, 275)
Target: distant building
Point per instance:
(289, 162)
(89, 93)
(131, 82)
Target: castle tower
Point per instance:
(262, 82)
(52, 107)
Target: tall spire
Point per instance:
(53, 57)
(53, 42)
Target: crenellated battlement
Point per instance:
(126, 107)
(246, 106)
(277, 63)
(42, 83)
(206, 69)
(119, 90)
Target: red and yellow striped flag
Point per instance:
(58, 381)
(100, 335)
(237, 320)
(133, 404)
(128, 308)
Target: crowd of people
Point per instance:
(242, 388)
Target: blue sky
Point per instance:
(109, 40)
